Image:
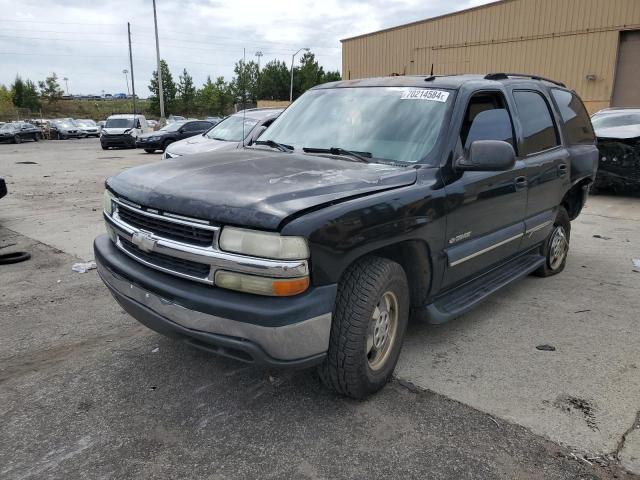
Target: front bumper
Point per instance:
(144, 143)
(278, 332)
(118, 141)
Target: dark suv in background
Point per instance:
(364, 203)
(172, 132)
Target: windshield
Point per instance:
(119, 123)
(391, 123)
(7, 127)
(230, 129)
(172, 127)
(615, 120)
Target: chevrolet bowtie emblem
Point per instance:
(144, 241)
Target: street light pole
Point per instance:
(259, 54)
(126, 79)
(292, 60)
(66, 82)
(160, 92)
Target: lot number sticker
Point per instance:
(424, 94)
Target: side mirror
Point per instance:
(488, 156)
(259, 131)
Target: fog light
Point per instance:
(107, 201)
(278, 287)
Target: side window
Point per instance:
(190, 127)
(537, 122)
(486, 118)
(577, 123)
(204, 126)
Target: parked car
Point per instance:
(102, 123)
(89, 127)
(170, 133)
(214, 120)
(16, 132)
(618, 133)
(64, 128)
(152, 123)
(226, 135)
(365, 202)
(123, 130)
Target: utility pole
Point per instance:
(126, 79)
(133, 84)
(160, 92)
(259, 54)
(292, 60)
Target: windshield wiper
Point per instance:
(360, 156)
(270, 143)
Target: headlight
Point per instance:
(277, 287)
(108, 202)
(263, 244)
(153, 139)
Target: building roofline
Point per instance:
(428, 20)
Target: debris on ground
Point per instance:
(26, 163)
(582, 311)
(546, 348)
(602, 237)
(155, 350)
(83, 267)
(636, 262)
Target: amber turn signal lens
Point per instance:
(286, 288)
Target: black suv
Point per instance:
(365, 203)
(170, 133)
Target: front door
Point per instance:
(485, 210)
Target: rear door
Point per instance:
(485, 210)
(546, 160)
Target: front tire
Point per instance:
(369, 321)
(17, 139)
(149, 150)
(556, 246)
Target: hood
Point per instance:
(253, 188)
(625, 132)
(199, 144)
(114, 131)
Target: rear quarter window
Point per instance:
(577, 124)
(537, 122)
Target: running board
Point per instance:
(468, 295)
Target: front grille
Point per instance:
(167, 229)
(178, 265)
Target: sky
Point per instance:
(86, 41)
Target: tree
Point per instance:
(186, 92)
(50, 88)
(6, 103)
(17, 91)
(245, 84)
(169, 89)
(274, 81)
(215, 98)
(332, 77)
(309, 74)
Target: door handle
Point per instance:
(521, 183)
(562, 169)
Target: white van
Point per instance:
(122, 130)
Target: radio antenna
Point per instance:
(244, 90)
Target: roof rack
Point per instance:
(506, 76)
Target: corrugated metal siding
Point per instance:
(561, 39)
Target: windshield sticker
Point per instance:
(424, 94)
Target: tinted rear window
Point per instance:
(577, 123)
(537, 122)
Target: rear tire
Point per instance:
(35, 137)
(369, 321)
(17, 139)
(165, 145)
(149, 150)
(104, 147)
(556, 246)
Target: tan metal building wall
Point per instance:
(567, 40)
